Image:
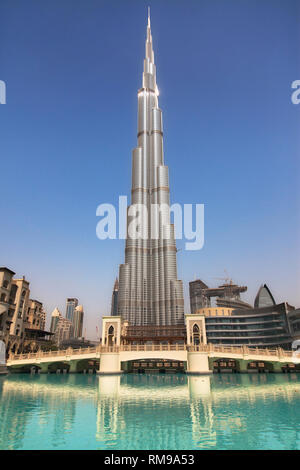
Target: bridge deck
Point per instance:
(160, 351)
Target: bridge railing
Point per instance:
(59, 352)
(153, 347)
(209, 348)
(242, 350)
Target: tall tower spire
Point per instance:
(149, 291)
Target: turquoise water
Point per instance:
(171, 412)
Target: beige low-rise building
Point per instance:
(14, 296)
(36, 316)
(22, 320)
(7, 307)
(20, 297)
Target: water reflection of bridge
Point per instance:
(115, 399)
(242, 386)
(204, 399)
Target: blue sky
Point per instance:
(224, 69)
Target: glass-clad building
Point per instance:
(72, 303)
(261, 327)
(267, 324)
(294, 322)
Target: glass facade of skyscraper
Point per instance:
(72, 303)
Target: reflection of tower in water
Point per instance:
(109, 421)
(136, 410)
(201, 410)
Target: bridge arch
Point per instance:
(53, 367)
(162, 360)
(289, 367)
(157, 355)
(260, 366)
(224, 364)
(84, 365)
(24, 368)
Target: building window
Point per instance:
(111, 332)
(196, 334)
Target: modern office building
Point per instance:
(267, 324)
(64, 330)
(261, 327)
(149, 291)
(264, 298)
(70, 308)
(55, 317)
(114, 299)
(78, 321)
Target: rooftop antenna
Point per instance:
(148, 16)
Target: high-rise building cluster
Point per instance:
(70, 326)
(23, 319)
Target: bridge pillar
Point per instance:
(43, 367)
(243, 366)
(111, 338)
(73, 367)
(110, 363)
(197, 363)
(277, 367)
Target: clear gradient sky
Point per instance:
(231, 135)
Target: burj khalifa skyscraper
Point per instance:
(149, 291)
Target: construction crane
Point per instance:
(227, 279)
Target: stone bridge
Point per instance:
(200, 359)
